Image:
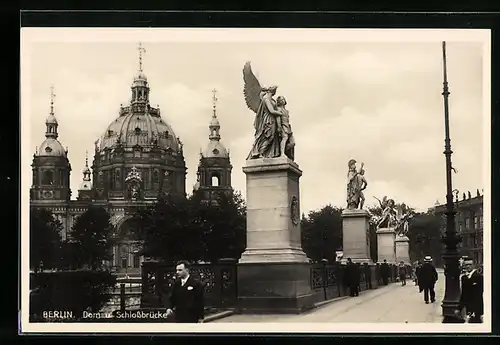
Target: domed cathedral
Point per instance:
(137, 159)
(214, 168)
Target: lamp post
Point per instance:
(450, 239)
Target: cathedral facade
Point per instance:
(137, 159)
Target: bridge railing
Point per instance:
(328, 280)
(219, 281)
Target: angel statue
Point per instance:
(271, 122)
(356, 184)
(389, 213)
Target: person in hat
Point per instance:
(427, 279)
(471, 296)
(402, 273)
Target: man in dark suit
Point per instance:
(352, 278)
(427, 279)
(471, 297)
(385, 272)
(186, 299)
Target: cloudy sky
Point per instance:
(378, 102)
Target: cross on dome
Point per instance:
(214, 101)
(141, 50)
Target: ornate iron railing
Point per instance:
(219, 281)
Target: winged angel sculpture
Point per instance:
(273, 132)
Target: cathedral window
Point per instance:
(137, 130)
(48, 177)
(215, 181)
(117, 179)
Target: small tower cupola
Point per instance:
(85, 191)
(214, 126)
(140, 87)
(86, 172)
(51, 168)
(214, 168)
(51, 122)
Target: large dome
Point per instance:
(146, 129)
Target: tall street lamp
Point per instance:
(450, 239)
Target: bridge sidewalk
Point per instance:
(391, 304)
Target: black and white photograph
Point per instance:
(255, 180)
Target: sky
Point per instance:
(377, 102)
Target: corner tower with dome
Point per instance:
(137, 159)
(214, 168)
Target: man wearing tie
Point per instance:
(186, 299)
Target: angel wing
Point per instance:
(251, 88)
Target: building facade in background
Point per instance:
(469, 224)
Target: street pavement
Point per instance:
(389, 304)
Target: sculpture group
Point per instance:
(396, 217)
(273, 132)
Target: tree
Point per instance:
(91, 235)
(168, 230)
(179, 228)
(424, 233)
(321, 233)
(45, 239)
(223, 225)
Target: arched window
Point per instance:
(117, 179)
(48, 177)
(215, 181)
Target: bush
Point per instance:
(69, 291)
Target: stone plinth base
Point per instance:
(385, 245)
(273, 212)
(273, 255)
(402, 244)
(274, 288)
(356, 240)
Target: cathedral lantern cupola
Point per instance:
(214, 169)
(140, 87)
(51, 167)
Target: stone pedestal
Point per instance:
(385, 245)
(355, 233)
(402, 244)
(273, 272)
(273, 212)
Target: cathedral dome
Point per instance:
(51, 147)
(145, 129)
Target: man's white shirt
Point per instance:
(183, 281)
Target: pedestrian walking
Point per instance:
(385, 272)
(402, 273)
(417, 270)
(352, 275)
(186, 299)
(427, 280)
(471, 296)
